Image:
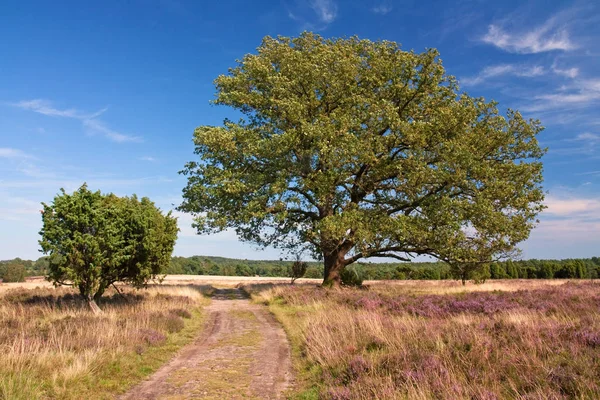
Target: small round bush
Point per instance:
(152, 337)
(173, 323)
(12, 272)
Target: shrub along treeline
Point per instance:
(13, 270)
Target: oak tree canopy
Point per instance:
(356, 149)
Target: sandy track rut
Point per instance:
(242, 353)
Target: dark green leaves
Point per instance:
(95, 240)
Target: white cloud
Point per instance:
(7, 152)
(572, 207)
(96, 126)
(185, 221)
(590, 173)
(559, 238)
(46, 108)
(581, 93)
(585, 144)
(567, 222)
(549, 36)
(89, 120)
(382, 9)
(528, 71)
(568, 72)
(326, 10)
(148, 158)
(32, 170)
(588, 137)
(13, 208)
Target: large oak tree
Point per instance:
(358, 149)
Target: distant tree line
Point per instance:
(525, 269)
(17, 269)
(586, 268)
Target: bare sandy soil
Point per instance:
(445, 286)
(243, 353)
(34, 282)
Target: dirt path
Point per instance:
(243, 353)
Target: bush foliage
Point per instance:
(95, 240)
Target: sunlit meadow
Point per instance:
(53, 346)
(429, 340)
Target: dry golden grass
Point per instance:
(52, 346)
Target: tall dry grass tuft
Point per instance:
(52, 346)
(387, 343)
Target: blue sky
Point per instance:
(109, 92)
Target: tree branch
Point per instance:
(385, 252)
(304, 193)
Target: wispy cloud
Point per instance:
(89, 120)
(572, 206)
(587, 137)
(563, 234)
(96, 126)
(185, 222)
(581, 93)
(590, 173)
(7, 152)
(584, 144)
(148, 158)
(46, 108)
(567, 72)
(549, 36)
(569, 227)
(326, 10)
(382, 9)
(18, 209)
(502, 70)
(34, 171)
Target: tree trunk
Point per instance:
(334, 265)
(93, 306)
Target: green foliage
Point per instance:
(243, 270)
(511, 270)
(12, 272)
(314, 272)
(357, 149)
(573, 269)
(352, 276)
(477, 271)
(427, 273)
(207, 265)
(94, 240)
(188, 265)
(40, 266)
(297, 269)
(481, 274)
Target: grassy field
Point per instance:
(52, 346)
(525, 339)
(439, 340)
